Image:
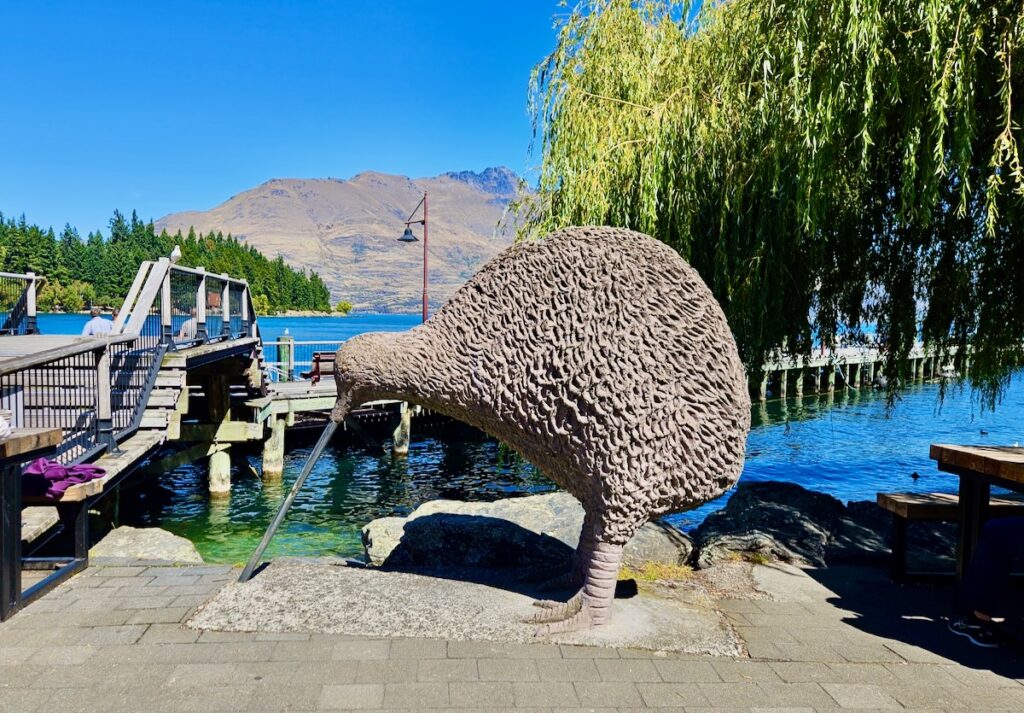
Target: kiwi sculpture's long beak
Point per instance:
(325, 438)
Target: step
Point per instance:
(163, 398)
(170, 379)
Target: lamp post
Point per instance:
(409, 237)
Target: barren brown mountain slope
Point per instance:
(347, 230)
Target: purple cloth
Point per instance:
(49, 479)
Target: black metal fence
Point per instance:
(184, 314)
(60, 393)
(214, 307)
(238, 326)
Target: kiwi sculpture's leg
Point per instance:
(592, 605)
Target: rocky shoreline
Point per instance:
(763, 521)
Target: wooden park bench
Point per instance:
(320, 359)
(929, 507)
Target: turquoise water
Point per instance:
(849, 446)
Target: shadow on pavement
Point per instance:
(914, 614)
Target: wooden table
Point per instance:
(979, 468)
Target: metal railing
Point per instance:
(82, 388)
(289, 360)
(96, 390)
(18, 303)
(191, 306)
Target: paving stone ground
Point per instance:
(112, 640)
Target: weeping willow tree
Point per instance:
(824, 164)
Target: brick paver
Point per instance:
(112, 640)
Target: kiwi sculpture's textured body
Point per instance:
(603, 358)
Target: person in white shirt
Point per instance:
(97, 326)
(189, 327)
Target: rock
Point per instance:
(783, 521)
(150, 543)
(382, 536)
(515, 532)
(780, 520)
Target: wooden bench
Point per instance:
(929, 507)
(319, 358)
(36, 521)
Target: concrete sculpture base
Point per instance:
(318, 598)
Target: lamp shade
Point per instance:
(408, 237)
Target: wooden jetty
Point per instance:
(843, 368)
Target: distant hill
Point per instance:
(347, 230)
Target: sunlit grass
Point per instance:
(655, 571)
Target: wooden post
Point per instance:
(30, 304)
(104, 410)
(225, 304)
(166, 309)
(919, 369)
(830, 378)
(871, 373)
(201, 306)
(273, 449)
(403, 431)
(286, 355)
(783, 383)
(798, 383)
(245, 311)
(218, 398)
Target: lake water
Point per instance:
(850, 447)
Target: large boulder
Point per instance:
(783, 521)
(515, 532)
(149, 544)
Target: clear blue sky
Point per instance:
(166, 106)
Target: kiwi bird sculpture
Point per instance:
(601, 356)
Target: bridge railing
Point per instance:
(288, 360)
(186, 307)
(90, 389)
(95, 390)
(18, 302)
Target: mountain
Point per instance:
(347, 230)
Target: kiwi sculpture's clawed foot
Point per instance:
(554, 610)
(580, 621)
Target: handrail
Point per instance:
(24, 276)
(133, 293)
(81, 346)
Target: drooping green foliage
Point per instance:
(100, 271)
(824, 164)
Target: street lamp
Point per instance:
(409, 237)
